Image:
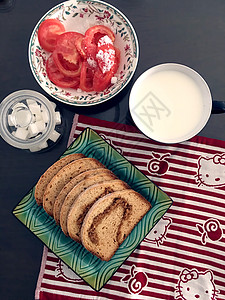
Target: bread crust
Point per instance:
(50, 173)
(102, 176)
(90, 203)
(85, 200)
(110, 220)
(63, 177)
(60, 199)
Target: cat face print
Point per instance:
(197, 285)
(158, 234)
(211, 171)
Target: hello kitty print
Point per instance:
(211, 171)
(196, 285)
(158, 234)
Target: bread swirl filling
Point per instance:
(81, 217)
(119, 207)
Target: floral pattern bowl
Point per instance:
(79, 16)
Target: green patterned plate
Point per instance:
(94, 271)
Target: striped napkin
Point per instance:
(183, 257)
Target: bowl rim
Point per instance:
(202, 84)
(126, 81)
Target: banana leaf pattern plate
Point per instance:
(90, 268)
(79, 15)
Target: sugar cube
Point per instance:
(45, 116)
(10, 120)
(34, 108)
(57, 118)
(21, 133)
(33, 130)
(40, 125)
(54, 136)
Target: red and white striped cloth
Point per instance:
(183, 257)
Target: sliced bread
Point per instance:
(63, 177)
(60, 200)
(50, 173)
(68, 187)
(85, 200)
(110, 220)
(103, 176)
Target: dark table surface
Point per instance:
(190, 32)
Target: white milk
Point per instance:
(168, 105)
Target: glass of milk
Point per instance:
(170, 103)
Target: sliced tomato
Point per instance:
(117, 57)
(66, 55)
(65, 67)
(48, 32)
(101, 80)
(106, 54)
(92, 36)
(94, 33)
(58, 78)
(80, 46)
(86, 77)
(87, 61)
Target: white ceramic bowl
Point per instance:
(79, 16)
(170, 103)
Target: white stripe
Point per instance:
(203, 147)
(109, 130)
(172, 266)
(70, 294)
(188, 252)
(78, 288)
(195, 202)
(50, 254)
(177, 209)
(199, 246)
(65, 284)
(51, 263)
(146, 288)
(89, 297)
(171, 164)
(149, 272)
(193, 192)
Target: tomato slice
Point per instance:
(66, 67)
(106, 54)
(58, 78)
(102, 80)
(80, 46)
(86, 77)
(87, 61)
(66, 55)
(48, 32)
(92, 36)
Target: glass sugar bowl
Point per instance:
(28, 120)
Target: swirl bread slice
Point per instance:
(63, 177)
(103, 176)
(69, 186)
(85, 200)
(110, 220)
(50, 173)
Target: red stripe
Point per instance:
(182, 189)
(152, 266)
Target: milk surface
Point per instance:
(168, 105)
